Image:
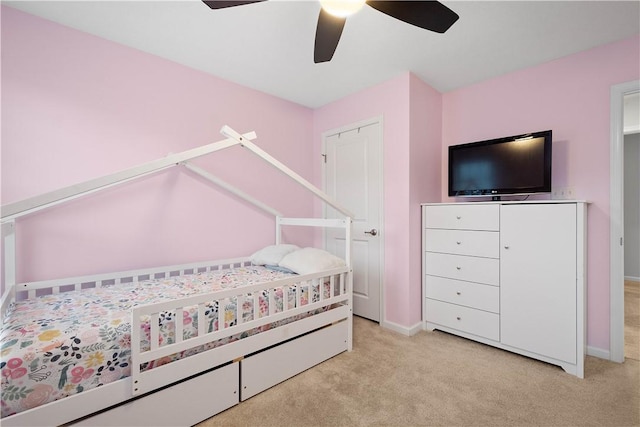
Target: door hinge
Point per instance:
(325, 157)
(621, 244)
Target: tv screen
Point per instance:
(519, 164)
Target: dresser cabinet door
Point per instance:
(538, 279)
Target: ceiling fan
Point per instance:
(430, 15)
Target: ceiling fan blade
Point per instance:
(328, 34)
(220, 4)
(430, 15)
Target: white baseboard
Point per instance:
(600, 353)
(404, 330)
(632, 278)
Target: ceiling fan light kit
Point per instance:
(429, 15)
(342, 8)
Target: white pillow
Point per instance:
(311, 260)
(271, 255)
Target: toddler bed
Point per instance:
(171, 345)
(84, 344)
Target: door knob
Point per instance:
(373, 232)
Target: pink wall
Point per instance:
(75, 107)
(411, 135)
(425, 168)
(571, 97)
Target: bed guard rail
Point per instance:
(333, 286)
(27, 290)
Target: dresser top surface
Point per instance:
(506, 202)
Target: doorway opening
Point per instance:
(617, 244)
(631, 209)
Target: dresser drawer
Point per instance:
(464, 319)
(472, 295)
(462, 267)
(463, 217)
(463, 242)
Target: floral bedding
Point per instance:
(55, 346)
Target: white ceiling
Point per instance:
(269, 46)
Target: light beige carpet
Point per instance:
(438, 379)
(632, 320)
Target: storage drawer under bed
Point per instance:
(201, 397)
(185, 403)
(270, 367)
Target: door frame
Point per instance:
(616, 213)
(381, 227)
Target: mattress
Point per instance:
(59, 345)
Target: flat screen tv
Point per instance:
(519, 164)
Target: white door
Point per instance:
(353, 177)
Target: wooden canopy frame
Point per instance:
(13, 211)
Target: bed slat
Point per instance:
(256, 305)
(179, 324)
(285, 298)
(154, 331)
(332, 285)
(239, 309)
(272, 302)
(201, 318)
(222, 313)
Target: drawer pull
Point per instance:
(506, 247)
(458, 293)
(458, 243)
(458, 217)
(458, 268)
(459, 318)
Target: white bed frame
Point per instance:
(187, 391)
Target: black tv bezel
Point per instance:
(545, 188)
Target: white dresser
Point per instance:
(509, 274)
